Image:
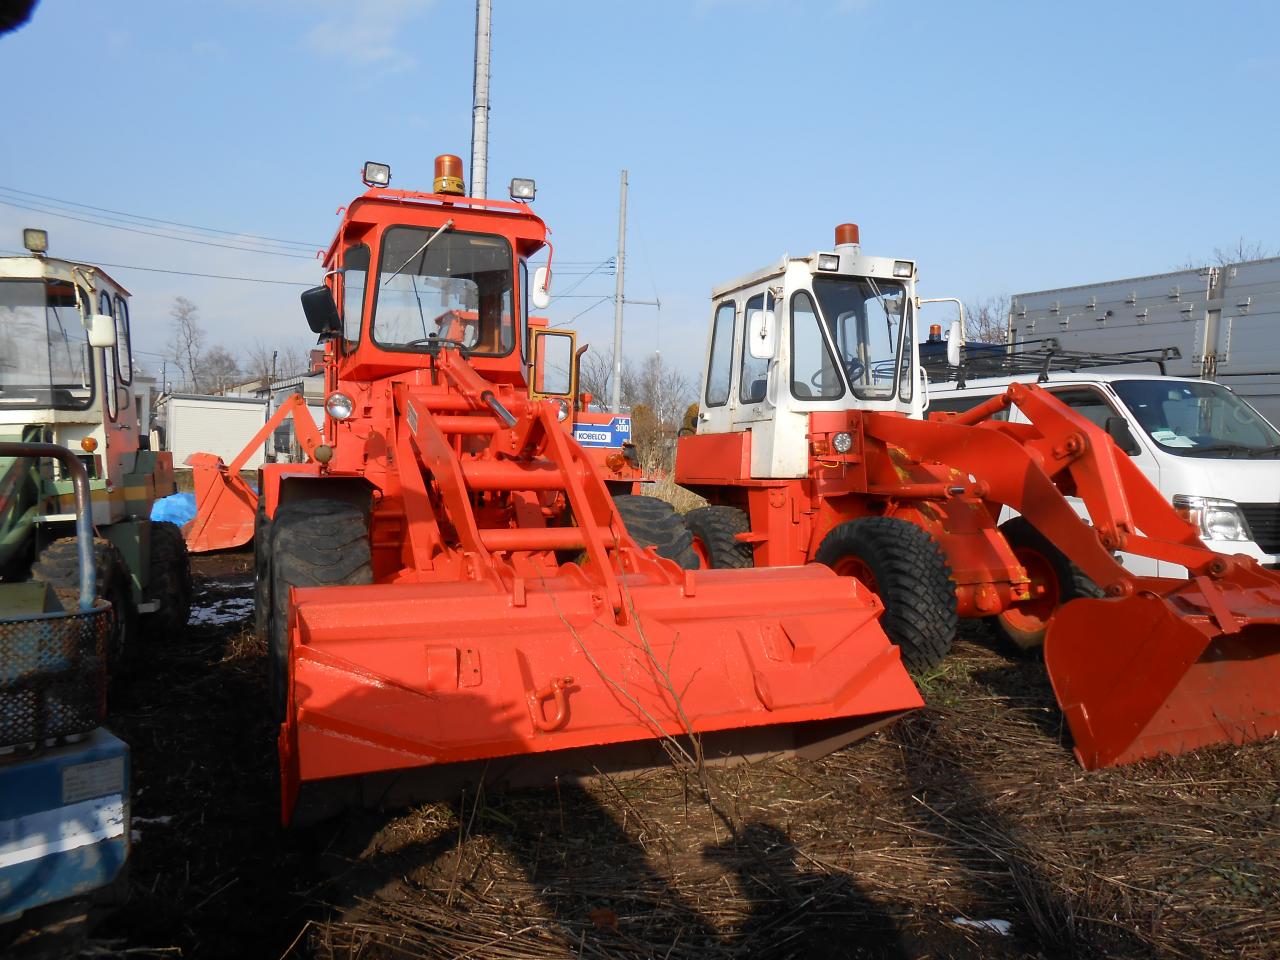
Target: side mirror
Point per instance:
(321, 312)
(762, 335)
(540, 295)
(102, 330)
(1118, 430)
(955, 340)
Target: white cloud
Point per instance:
(365, 34)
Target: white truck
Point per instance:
(1224, 320)
(1213, 455)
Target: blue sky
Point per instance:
(1005, 146)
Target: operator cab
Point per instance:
(827, 332)
(411, 274)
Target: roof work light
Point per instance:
(523, 189)
(376, 174)
(37, 241)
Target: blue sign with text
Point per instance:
(612, 434)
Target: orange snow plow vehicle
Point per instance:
(448, 588)
(812, 444)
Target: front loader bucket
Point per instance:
(225, 506)
(1167, 671)
(393, 677)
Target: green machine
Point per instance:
(67, 378)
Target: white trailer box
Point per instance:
(1224, 320)
(221, 425)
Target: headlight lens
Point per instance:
(1214, 519)
(339, 405)
(903, 268)
(562, 409)
(828, 261)
(843, 442)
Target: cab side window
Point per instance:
(720, 368)
(124, 349)
(110, 394)
(355, 267)
(1087, 402)
(961, 404)
(754, 380)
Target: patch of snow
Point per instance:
(226, 610)
(163, 821)
(1002, 927)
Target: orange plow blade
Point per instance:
(1176, 666)
(225, 506)
(393, 677)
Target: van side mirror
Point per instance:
(321, 312)
(762, 335)
(102, 330)
(540, 295)
(955, 340)
(1118, 430)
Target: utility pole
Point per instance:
(615, 396)
(480, 104)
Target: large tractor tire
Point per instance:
(59, 566)
(261, 572)
(902, 564)
(655, 523)
(170, 583)
(314, 543)
(1054, 581)
(715, 532)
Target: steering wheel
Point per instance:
(853, 369)
(436, 343)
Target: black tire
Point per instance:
(59, 566)
(261, 572)
(912, 578)
(655, 523)
(1024, 625)
(314, 543)
(716, 529)
(170, 576)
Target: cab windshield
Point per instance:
(44, 347)
(864, 317)
(1198, 419)
(447, 285)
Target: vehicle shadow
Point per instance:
(797, 912)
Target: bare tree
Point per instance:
(986, 319)
(1223, 256)
(659, 396)
(595, 374)
(186, 342)
(218, 371)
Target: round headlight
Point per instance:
(339, 405)
(843, 442)
(562, 409)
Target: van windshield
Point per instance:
(44, 347)
(1198, 419)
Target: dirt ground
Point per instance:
(964, 830)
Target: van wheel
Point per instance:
(1054, 581)
(314, 543)
(908, 570)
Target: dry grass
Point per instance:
(667, 489)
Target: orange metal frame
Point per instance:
(510, 612)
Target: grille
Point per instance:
(53, 677)
(1264, 523)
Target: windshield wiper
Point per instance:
(448, 224)
(1270, 448)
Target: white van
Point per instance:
(1214, 456)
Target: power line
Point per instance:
(152, 233)
(171, 223)
(181, 273)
